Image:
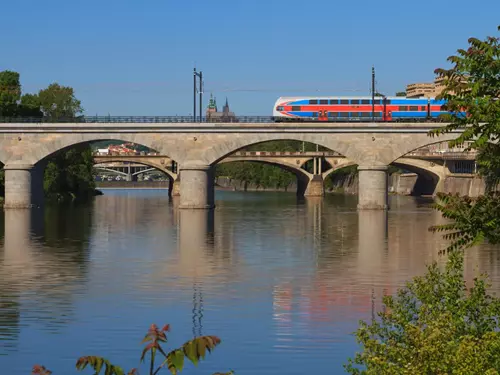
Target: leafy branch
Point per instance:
(193, 350)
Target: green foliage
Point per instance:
(193, 350)
(433, 326)
(10, 93)
(59, 102)
(472, 219)
(401, 93)
(30, 106)
(472, 86)
(70, 175)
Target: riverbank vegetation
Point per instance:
(68, 174)
(437, 324)
(193, 350)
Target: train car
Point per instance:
(337, 109)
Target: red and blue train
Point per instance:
(337, 109)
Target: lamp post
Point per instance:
(200, 76)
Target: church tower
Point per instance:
(212, 106)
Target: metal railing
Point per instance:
(183, 119)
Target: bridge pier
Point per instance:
(23, 186)
(315, 187)
(197, 186)
(372, 190)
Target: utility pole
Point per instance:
(373, 93)
(201, 95)
(194, 95)
(199, 75)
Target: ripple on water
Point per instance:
(282, 282)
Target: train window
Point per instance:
(344, 114)
(388, 101)
(296, 108)
(323, 101)
(313, 101)
(365, 101)
(378, 102)
(355, 101)
(423, 108)
(333, 114)
(315, 114)
(403, 108)
(280, 108)
(413, 108)
(335, 101)
(344, 101)
(366, 114)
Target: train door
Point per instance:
(387, 115)
(323, 114)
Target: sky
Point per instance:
(136, 57)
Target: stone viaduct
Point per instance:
(198, 147)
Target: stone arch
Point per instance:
(303, 177)
(38, 147)
(157, 166)
(228, 146)
(297, 170)
(430, 175)
(345, 163)
(417, 141)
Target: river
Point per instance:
(283, 282)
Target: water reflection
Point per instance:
(291, 276)
(43, 261)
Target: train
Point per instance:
(357, 109)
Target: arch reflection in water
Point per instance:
(43, 272)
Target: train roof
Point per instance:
(347, 97)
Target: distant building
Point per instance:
(426, 89)
(214, 116)
(419, 90)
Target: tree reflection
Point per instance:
(44, 258)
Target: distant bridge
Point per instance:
(432, 166)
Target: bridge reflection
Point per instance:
(315, 261)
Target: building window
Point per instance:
(313, 101)
(296, 108)
(323, 101)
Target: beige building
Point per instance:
(418, 90)
(425, 89)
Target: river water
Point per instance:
(283, 282)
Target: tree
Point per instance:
(59, 102)
(401, 93)
(435, 325)
(10, 93)
(472, 94)
(30, 106)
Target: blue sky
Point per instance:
(130, 57)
